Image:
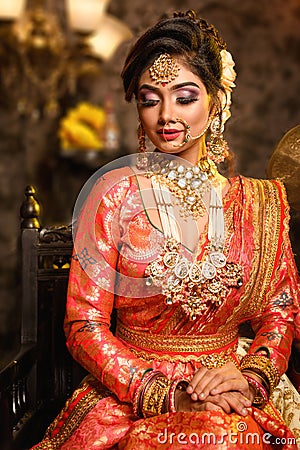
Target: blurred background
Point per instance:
(62, 112)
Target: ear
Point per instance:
(217, 104)
(214, 105)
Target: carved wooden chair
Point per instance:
(36, 383)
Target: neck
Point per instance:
(195, 153)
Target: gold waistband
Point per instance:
(176, 344)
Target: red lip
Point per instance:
(169, 134)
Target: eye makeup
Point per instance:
(184, 93)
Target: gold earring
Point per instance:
(141, 138)
(217, 147)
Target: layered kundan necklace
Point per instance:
(200, 287)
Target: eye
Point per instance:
(186, 100)
(148, 99)
(148, 103)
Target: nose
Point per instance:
(165, 113)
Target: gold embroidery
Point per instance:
(175, 343)
(75, 417)
(271, 411)
(266, 217)
(209, 361)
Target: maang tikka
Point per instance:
(217, 147)
(164, 69)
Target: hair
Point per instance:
(183, 36)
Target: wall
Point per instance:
(264, 38)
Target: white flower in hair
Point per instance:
(228, 72)
(227, 79)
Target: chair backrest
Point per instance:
(34, 386)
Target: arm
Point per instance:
(91, 293)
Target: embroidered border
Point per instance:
(209, 361)
(174, 343)
(80, 410)
(267, 223)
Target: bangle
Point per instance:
(154, 396)
(262, 379)
(260, 393)
(263, 366)
(138, 395)
(176, 384)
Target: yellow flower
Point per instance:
(82, 128)
(91, 114)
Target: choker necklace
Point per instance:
(189, 185)
(200, 287)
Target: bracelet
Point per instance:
(260, 393)
(263, 366)
(155, 395)
(138, 395)
(258, 375)
(176, 384)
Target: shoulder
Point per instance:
(106, 188)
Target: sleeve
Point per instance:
(275, 327)
(91, 293)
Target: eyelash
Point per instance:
(181, 100)
(148, 103)
(186, 100)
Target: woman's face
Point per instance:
(160, 107)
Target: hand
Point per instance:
(217, 381)
(227, 402)
(183, 402)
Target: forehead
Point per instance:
(184, 75)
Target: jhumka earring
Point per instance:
(141, 138)
(217, 147)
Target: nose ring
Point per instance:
(187, 133)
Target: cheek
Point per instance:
(147, 117)
(199, 112)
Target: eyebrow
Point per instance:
(173, 88)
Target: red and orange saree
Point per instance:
(115, 241)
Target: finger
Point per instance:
(237, 402)
(235, 384)
(226, 378)
(221, 401)
(206, 386)
(198, 376)
(208, 406)
(203, 382)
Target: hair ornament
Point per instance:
(164, 69)
(227, 80)
(190, 14)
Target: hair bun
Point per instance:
(204, 26)
(190, 14)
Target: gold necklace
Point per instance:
(188, 184)
(199, 287)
